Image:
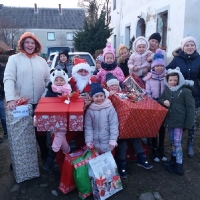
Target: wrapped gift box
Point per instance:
(138, 120)
(52, 114)
(23, 146)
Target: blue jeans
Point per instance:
(3, 116)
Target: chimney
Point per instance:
(35, 8)
(60, 9)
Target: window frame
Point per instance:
(72, 36)
(114, 4)
(51, 33)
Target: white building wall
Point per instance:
(192, 20)
(126, 13)
(60, 38)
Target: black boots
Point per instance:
(49, 162)
(155, 155)
(122, 168)
(179, 169)
(190, 148)
(172, 162)
(174, 167)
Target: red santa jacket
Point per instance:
(87, 87)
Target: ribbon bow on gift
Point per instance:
(22, 101)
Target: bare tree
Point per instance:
(10, 32)
(61, 38)
(93, 12)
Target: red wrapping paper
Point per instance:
(138, 120)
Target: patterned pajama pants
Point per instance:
(175, 135)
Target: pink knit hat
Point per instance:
(108, 49)
(187, 39)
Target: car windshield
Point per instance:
(84, 56)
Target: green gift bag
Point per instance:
(80, 172)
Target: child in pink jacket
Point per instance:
(138, 61)
(109, 66)
(154, 88)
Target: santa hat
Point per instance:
(111, 80)
(140, 40)
(80, 63)
(108, 49)
(58, 73)
(187, 39)
(96, 88)
(158, 59)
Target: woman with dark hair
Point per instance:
(154, 42)
(188, 60)
(26, 75)
(64, 62)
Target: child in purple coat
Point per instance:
(154, 88)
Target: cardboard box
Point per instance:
(52, 114)
(138, 120)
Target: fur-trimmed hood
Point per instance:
(182, 82)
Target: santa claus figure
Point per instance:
(81, 76)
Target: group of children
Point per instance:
(101, 122)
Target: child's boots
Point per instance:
(142, 161)
(179, 169)
(49, 162)
(155, 155)
(161, 153)
(122, 168)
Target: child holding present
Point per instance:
(101, 121)
(138, 62)
(177, 97)
(57, 87)
(109, 66)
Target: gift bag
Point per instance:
(104, 176)
(22, 143)
(67, 182)
(80, 173)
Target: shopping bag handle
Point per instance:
(92, 150)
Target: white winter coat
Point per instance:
(101, 125)
(25, 77)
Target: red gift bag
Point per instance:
(67, 183)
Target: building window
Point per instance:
(51, 36)
(127, 36)
(69, 36)
(115, 42)
(162, 19)
(114, 4)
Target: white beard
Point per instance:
(81, 81)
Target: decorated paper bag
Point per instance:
(22, 143)
(104, 176)
(67, 182)
(81, 176)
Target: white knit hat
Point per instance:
(187, 39)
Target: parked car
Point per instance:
(50, 58)
(87, 56)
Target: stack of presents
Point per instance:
(139, 117)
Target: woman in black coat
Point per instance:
(188, 60)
